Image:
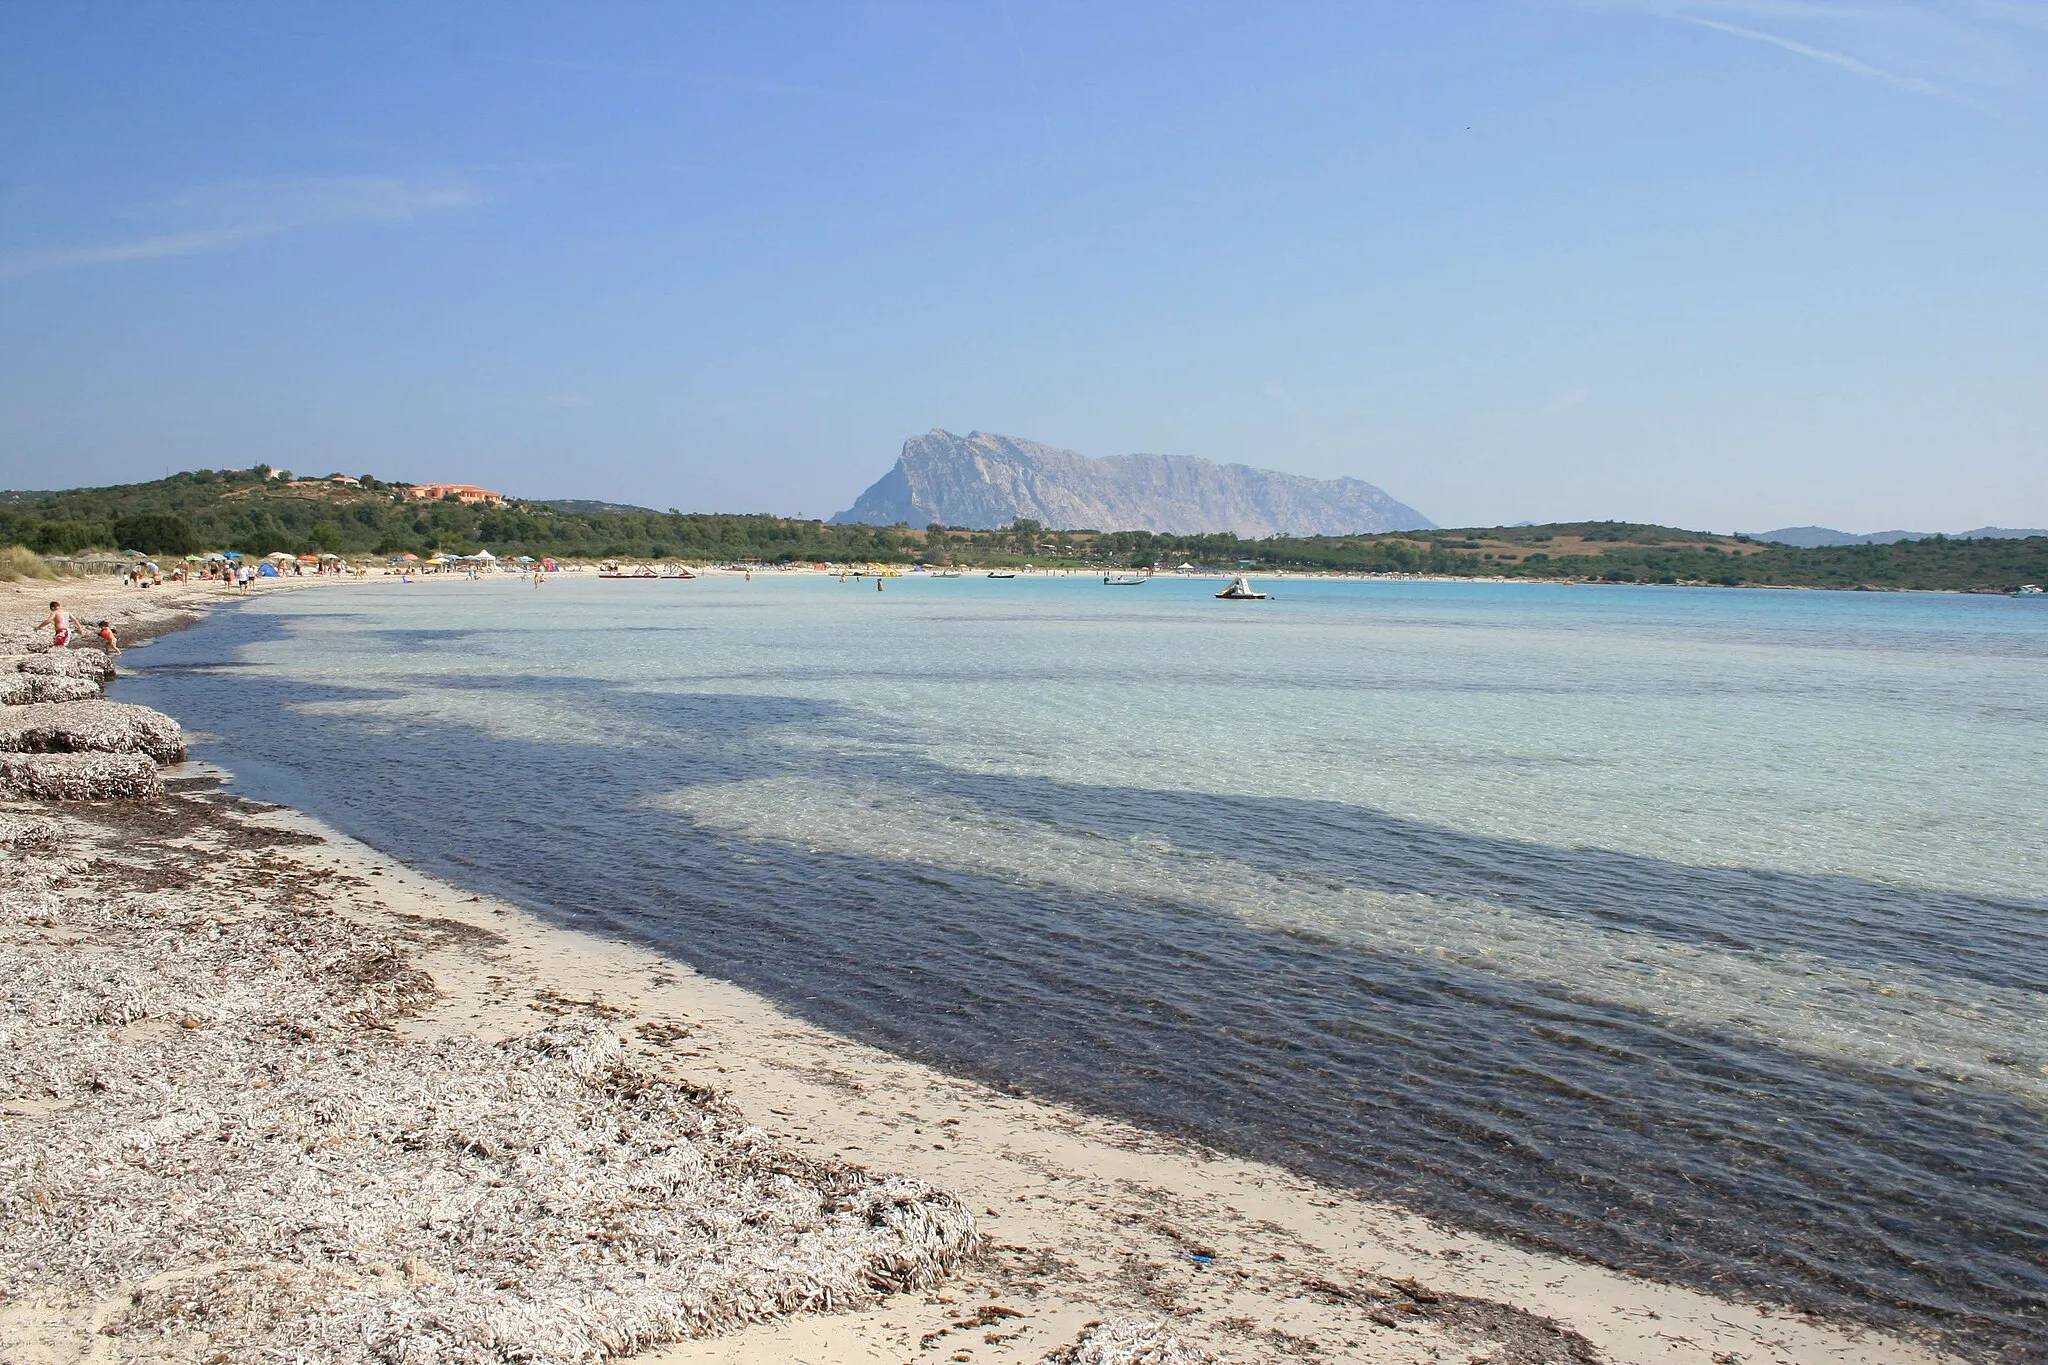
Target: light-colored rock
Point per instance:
(67, 663)
(22, 689)
(91, 726)
(82, 777)
(981, 480)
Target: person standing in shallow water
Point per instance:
(59, 622)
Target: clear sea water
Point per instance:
(1700, 932)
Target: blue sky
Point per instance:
(1729, 263)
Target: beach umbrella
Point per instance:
(524, 559)
(410, 557)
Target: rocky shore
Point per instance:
(267, 1095)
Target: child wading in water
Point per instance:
(60, 624)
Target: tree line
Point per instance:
(259, 511)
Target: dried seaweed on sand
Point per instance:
(82, 777)
(232, 1154)
(1128, 1341)
(22, 689)
(91, 727)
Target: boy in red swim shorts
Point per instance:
(59, 622)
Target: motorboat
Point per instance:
(945, 573)
(1123, 580)
(1241, 590)
(1002, 573)
(2029, 590)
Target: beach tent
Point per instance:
(268, 570)
(484, 555)
(549, 565)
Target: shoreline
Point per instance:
(1086, 1217)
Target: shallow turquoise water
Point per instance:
(1700, 931)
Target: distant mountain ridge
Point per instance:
(1815, 537)
(982, 481)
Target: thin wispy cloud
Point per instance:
(1843, 60)
(233, 213)
(1953, 52)
(141, 249)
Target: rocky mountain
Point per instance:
(1814, 537)
(981, 480)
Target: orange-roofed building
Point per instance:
(463, 492)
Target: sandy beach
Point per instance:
(1077, 1220)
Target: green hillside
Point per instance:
(1624, 552)
(256, 512)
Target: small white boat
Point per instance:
(1241, 590)
(1001, 573)
(2029, 590)
(945, 573)
(1123, 580)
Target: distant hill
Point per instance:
(584, 507)
(251, 511)
(981, 481)
(1814, 537)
